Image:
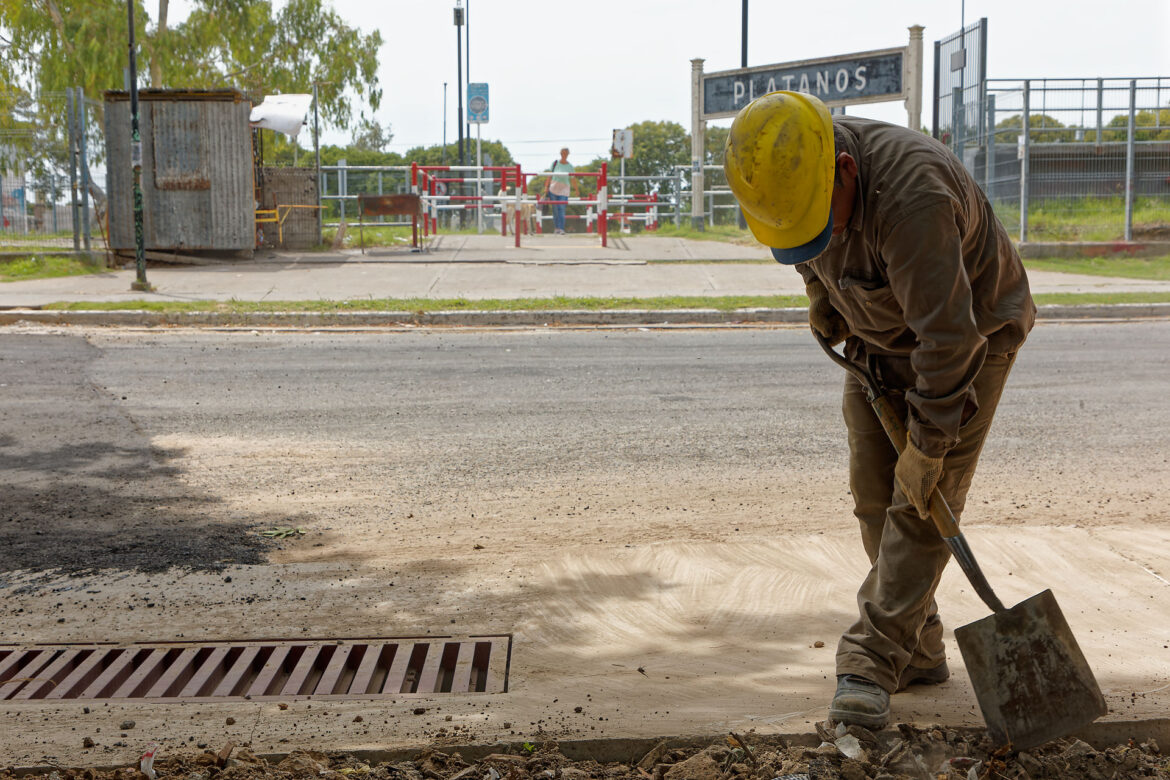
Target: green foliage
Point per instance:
(45, 266)
(560, 303)
(1043, 129)
(556, 303)
(714, 142)
(371, 136)
(658, 147)
(224, 43)
(729, 233)
(434, 155)
(1157, 268)
(1159, 122)
(1086, 219)
(1046, 129)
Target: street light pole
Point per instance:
(743, 38)
(140, 282)
(317, 157)
(444, 151)
(459, 70)
(467, 65)
(743, 64)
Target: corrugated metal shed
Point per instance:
(197, 189)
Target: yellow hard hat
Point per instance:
(780, 163)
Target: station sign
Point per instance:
(863, 77)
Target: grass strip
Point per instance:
(1156, 268)
(722, 303)
(560, 303)
(38, 266)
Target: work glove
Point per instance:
(918, 474)
(824, 319)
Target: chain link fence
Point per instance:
(1074, 160)
(51, 197)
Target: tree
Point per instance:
(658, 147)
(241, 43)
(715, 141)
(1158, 123)
(371, 136)
(434, 155)
(54, 44)
(1043, 129)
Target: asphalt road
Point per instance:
(94, 424)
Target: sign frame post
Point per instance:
(478, 107)
(698, 133)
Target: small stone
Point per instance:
(127, 724)
(852, 770)
(577, 709)
(420, 710)
(1078, 749)
(282, 706)
(87, 742)
(230, 721)
(818, 643)
(701, 766)
(358, 718)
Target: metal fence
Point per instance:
(1072, 159)
(50, 166)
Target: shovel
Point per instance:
(1030, 678)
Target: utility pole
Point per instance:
(743, 38)
(140, 283)
(317, 156)
(459, 71)
(743, 64)
(444, 149)
(467, 65)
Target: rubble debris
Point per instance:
(851, 753)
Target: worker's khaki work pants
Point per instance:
(898, 623)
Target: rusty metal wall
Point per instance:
(282, 187)
(197, 184)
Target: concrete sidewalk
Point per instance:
(479, 268)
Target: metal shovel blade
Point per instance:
(1030, 677)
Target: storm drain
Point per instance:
(344, 669)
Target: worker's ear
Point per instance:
(846, 166)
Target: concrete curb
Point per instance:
(500, 319)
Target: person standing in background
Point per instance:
(558, 189)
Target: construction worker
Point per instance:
(905, 261)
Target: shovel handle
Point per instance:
(940, 511)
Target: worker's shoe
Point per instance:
(916, 675)
(860, 702)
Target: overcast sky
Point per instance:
(564, 73)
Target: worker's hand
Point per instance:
(918, 474)
(824, 319)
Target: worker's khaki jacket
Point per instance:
(924, 271)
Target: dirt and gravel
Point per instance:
(905, 753)
(675, 572)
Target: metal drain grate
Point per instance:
(347, 669)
